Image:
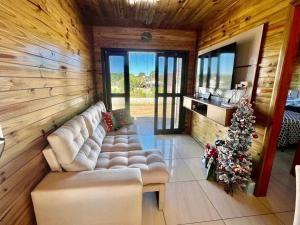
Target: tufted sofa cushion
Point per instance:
(67, 140)
(86, 158)
(150, 162)
(125, 130)
(99, 134)
(73, 148)
(121, 143)
(100, 105)
(92, 117)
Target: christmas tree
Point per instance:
(234, 158)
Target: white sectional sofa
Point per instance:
(116, 158)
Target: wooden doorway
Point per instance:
(281, 87)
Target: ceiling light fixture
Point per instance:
(133, 2)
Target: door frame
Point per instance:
(106, 80)
(173, 95)
(281, 86)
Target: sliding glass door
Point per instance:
(167, 83)
(169, 90)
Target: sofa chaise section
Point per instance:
(150, 162)
(90, 197)
(83, 144)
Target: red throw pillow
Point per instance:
(108, 120)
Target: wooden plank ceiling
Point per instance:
(168, 14)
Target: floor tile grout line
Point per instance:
(281, 219)
(190, 168)
(232, 218)
(197, 180)
(221, 218)
(268, 207)
(205, 221)
(206, 195)
(271, 212)
(255, 215)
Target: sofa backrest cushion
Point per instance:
(67, 140)
(92, 117)
(86, 159)
(99, 133)
(100, 105)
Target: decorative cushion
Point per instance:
(67, 140)
(150, 162)
(121, 143)
(123, 116)
(116, 124)
(108, 120)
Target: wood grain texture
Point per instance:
(171, 14)
(130, 38)
(242, 17)
(46, 77)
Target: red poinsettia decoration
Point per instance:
(211, 151)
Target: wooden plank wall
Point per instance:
(130, 38)
(238, 19)
(295, 83)
(45, 79)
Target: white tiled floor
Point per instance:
(191, 199)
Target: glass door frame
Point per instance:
(106, 52)
(165, 95)
(108, 95)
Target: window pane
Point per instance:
(117, 103)
(168, 112)
(226, 70)
(160, 113)
(176, 112)
(161, 67)
(142, 83)
(170, 74)
(178, 75)
(116, 68)
(205, 72)
(198, 80)
(213, 72)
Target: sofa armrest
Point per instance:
(90, 197)
(51, 159)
